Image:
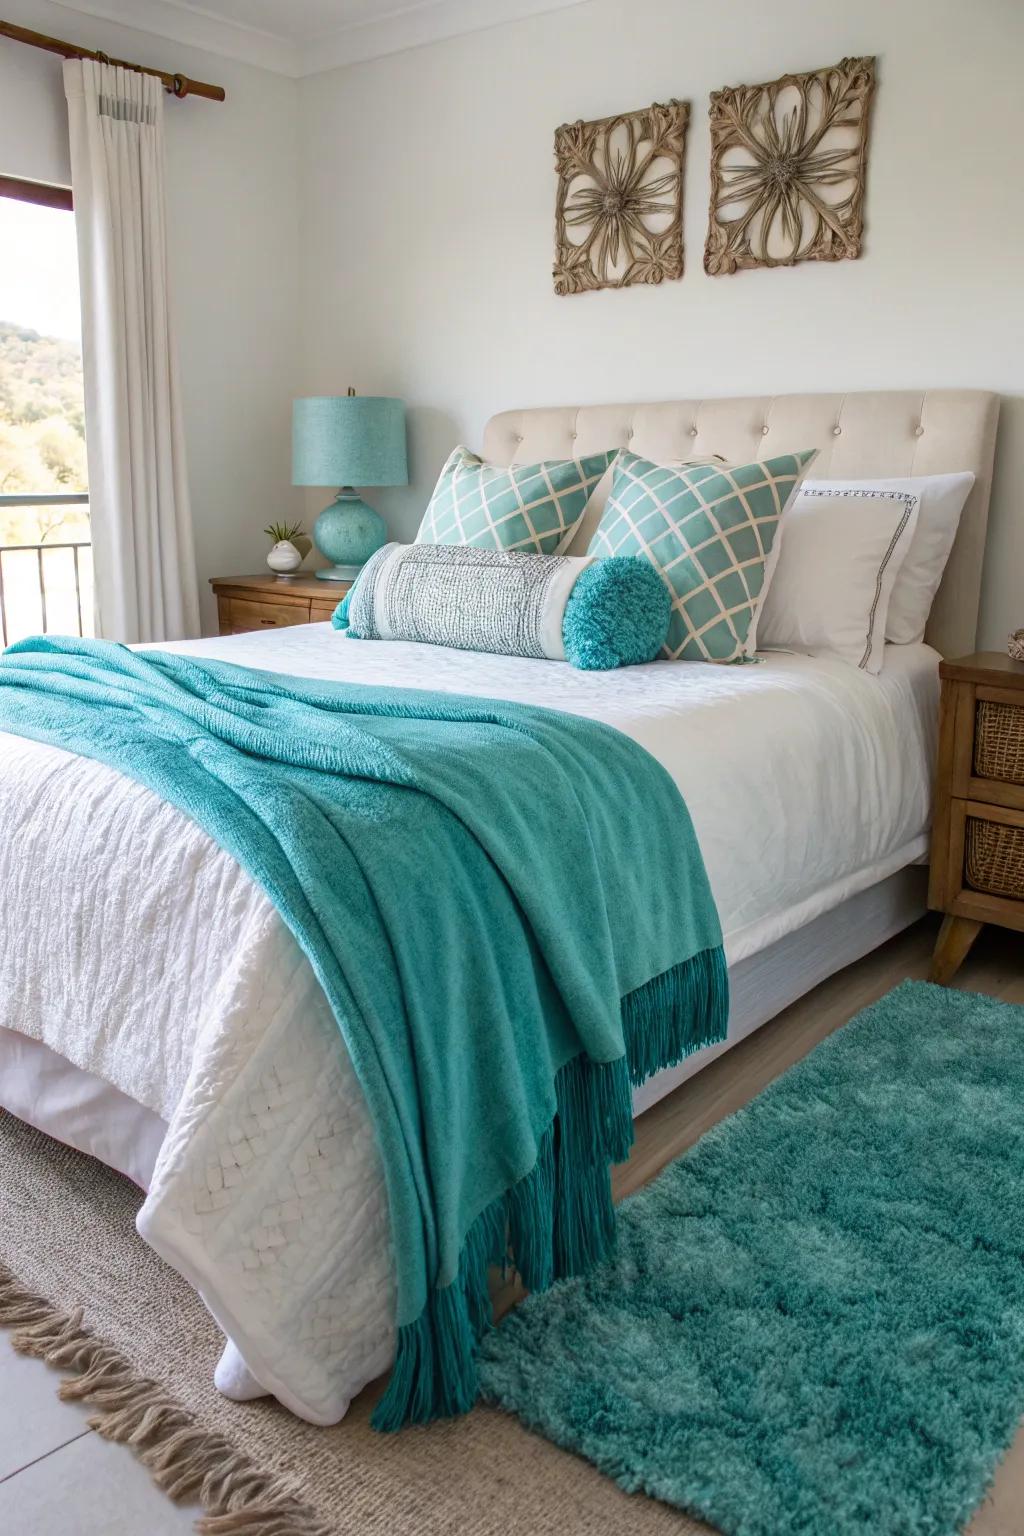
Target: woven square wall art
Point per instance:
(619, 207)
(788, 163)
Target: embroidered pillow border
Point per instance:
(910, 502)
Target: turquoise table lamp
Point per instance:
(348, 440)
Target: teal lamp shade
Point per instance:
(348, 440)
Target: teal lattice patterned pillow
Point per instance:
(710, 530)
(530, 507)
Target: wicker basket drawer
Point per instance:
(999, 742)
(994, 858)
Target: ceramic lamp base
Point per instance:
(347, 533)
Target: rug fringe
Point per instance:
(189, 1463)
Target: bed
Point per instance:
(155, 1012)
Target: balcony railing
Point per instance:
(45, 588)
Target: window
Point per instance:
(45, 553)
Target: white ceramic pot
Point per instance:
(284, 557)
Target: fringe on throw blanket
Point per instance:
(558, 1220)
(189, 1463)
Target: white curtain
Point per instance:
(143, 555)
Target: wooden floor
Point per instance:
(51, 1464)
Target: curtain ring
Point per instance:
(180, 85)
(103, 58)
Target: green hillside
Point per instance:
(42, 413)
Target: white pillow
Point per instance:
(941, 500)
(841, 553)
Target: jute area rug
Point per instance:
(79, 1289)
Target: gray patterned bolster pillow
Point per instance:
(593, 613)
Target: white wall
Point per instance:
(396, 219)
(427, 219)
(234, 239)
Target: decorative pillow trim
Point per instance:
(941, 501)
(909, 505)
(843, 548)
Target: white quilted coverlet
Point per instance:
(137, 949)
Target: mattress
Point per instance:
(135, 949)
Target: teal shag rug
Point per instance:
(814, 1321)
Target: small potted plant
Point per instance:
(285, 557)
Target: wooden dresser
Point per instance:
(246, 603)
(977, 860)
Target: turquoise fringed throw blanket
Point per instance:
(506, 907)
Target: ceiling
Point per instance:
(304, 37)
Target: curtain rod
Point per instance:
(177, 85)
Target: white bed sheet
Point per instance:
(760, 818)
(139, 951)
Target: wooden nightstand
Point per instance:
(977, 862)
(246, 603)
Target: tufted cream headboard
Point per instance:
(874, 434)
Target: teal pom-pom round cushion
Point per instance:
(617, 615)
